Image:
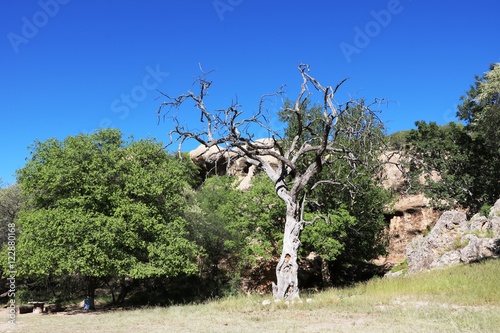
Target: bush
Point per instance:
(485, 210)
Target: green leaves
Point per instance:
(467, 157)
(327, 237)
(238, 227)
(345, 192)
(481, 108)
(100, 206)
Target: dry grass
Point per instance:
(461, 299)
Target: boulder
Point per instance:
(455, 240)
(211, 160)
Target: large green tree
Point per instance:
(100, 206)
(466, 155)
(237, 229)
(480, 108)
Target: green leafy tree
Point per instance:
(353, 205)
(480, 109)
(98, 206)
(10, 205)
(481, 112)
(466, 156)
(210, 209)
(263, 215)
(398, 140)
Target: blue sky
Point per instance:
(73, 66)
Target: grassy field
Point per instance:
(460, 299)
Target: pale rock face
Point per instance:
(455, 240)
(211, 160)
(217, 160)
(412, 213)
(412, 216)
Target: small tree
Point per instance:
(318, 140)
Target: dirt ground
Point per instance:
(401, 317)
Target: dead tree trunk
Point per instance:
(287, 281)
(287, 286)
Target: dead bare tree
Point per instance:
(312, 147)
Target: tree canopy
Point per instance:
(480, 108)
(466, 156)
(99, 206)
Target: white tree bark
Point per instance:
(287, 284)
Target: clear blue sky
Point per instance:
(73, 66)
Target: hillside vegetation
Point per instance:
(99, 214)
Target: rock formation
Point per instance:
(455, 240)
(412, 216)
(216, 160)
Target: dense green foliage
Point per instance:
(257, 226)
(98, 206)
(398, 140)
(241, 229)
(467, 156)
(480, 108)
(237, 229)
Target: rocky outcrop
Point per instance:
(411, 216)
(455, 240)
(219, 161)
(213, 160)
